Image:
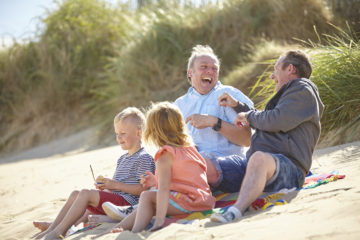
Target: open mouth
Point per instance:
(206, 80)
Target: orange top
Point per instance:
(188, 178)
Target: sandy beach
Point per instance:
(36, 183)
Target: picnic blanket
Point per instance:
(225, 200)
(267, 200)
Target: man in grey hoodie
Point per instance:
(286, 133)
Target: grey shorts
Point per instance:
(232, 170)
(287, 175)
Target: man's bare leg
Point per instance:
(260, 169)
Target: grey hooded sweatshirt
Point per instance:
(289, 125)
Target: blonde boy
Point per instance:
(123, 189)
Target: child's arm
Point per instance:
(113, 185)
(163, 167)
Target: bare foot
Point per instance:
(95, 219)
(42, 225)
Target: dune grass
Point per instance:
(94, 59)
(336, 72)
(153, 66)
(46, 84)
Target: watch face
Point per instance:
(217, 126)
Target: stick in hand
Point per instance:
(92, 172)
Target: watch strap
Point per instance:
(217, 126)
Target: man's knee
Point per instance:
(261, 160)
(258, 158)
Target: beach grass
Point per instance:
(336, 72)
(92, 59)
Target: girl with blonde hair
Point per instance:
(180, 184)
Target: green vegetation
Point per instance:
(152, 67)
(47, 84)
(336, 73)
(94, 59)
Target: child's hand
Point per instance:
(148, 181)
(99, 186)
(103, 183)
(99, 182)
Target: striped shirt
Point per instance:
(129, 170)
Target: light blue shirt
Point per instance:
(208, 141)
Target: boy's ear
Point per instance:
(139, 133)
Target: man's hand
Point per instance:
(226, 100)
(201, 120)
(240, 119)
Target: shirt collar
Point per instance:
(193, 91)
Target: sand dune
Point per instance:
(36, 187)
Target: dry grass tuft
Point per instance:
(92, 60)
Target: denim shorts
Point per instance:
(287, 175)
(231, 171)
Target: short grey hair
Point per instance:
(200, 51)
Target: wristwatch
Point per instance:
(217, 126)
